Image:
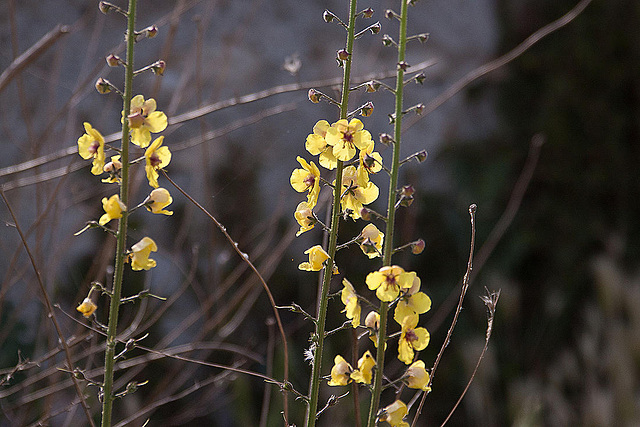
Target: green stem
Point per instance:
(391, 213)
(109, 358)
(314, 387)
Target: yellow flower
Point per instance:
(412, 301)
(372, 322)
(317, 257)
(156, 157)
(370, 241)
(364, 373)
(144, 119)
(304, 216)
(370, 160)
(87, 307)
(158, 200)
(140, 254)
(340, 373)
(307, 179)
(345, 137)
(113, 169)
(113, 208)
(358, 191)
(351, 303)
(417, 376)
(394, 413)
(411, 339)
(91, 145)
(388, 281)
(316, 144)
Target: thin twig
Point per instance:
(463, 292)
(490, 300)
(50, 311)
(245, 258)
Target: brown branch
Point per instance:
(50, 311)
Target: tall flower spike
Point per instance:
(158, 200)
(91, 145)
(140, 254)
(307, 179)
(144, 119)
(351, 303)
(113, 208)
(156, 158)
(317, 145)
(345, 137)
(411, 338)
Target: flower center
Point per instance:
(411, 336)
(154, 160)
(93, 148)
(347, 136)
(309, 180)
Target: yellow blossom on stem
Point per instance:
(307, 179)
(316, 144)
(113, 208)
(357, 191)
(87, 307)
(412, 301)
(417, 376)
(317, 257)
(345, 137)
(113, 169)
(91, 145)
(156, 158)
(372, 322)
(370, 160)
(370, 241)
(304, 216)
(341, 372)
(158, 200)
(351, 303)
(140, 254)
(411, 338)
(388, 281)
(144, 119)
(364, 373)
(394, 414)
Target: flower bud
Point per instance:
(417, 247)
(375, 28)
(103, 86)
(403, 66)
(327, 16)
(104, 7)
(387, 40)
(406, 201)
(407, 191)
(419, 109)
(372, 321)
(314, 96)
(423, 37)
(367, 13)
(372, 86)
(365, 214)
(420, 78)
(151, 31)
(158, 67)
(113, 60)
(389, 14)
(87, 308)
(113, 166)
(386, 139)
(367, 109)
(421, 156)
(343, 55)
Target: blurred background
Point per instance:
(557, 224)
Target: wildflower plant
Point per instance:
(140, 118)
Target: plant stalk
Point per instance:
(314, 387)
(109, 358)
(391, 213)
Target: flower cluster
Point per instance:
(143, 120)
